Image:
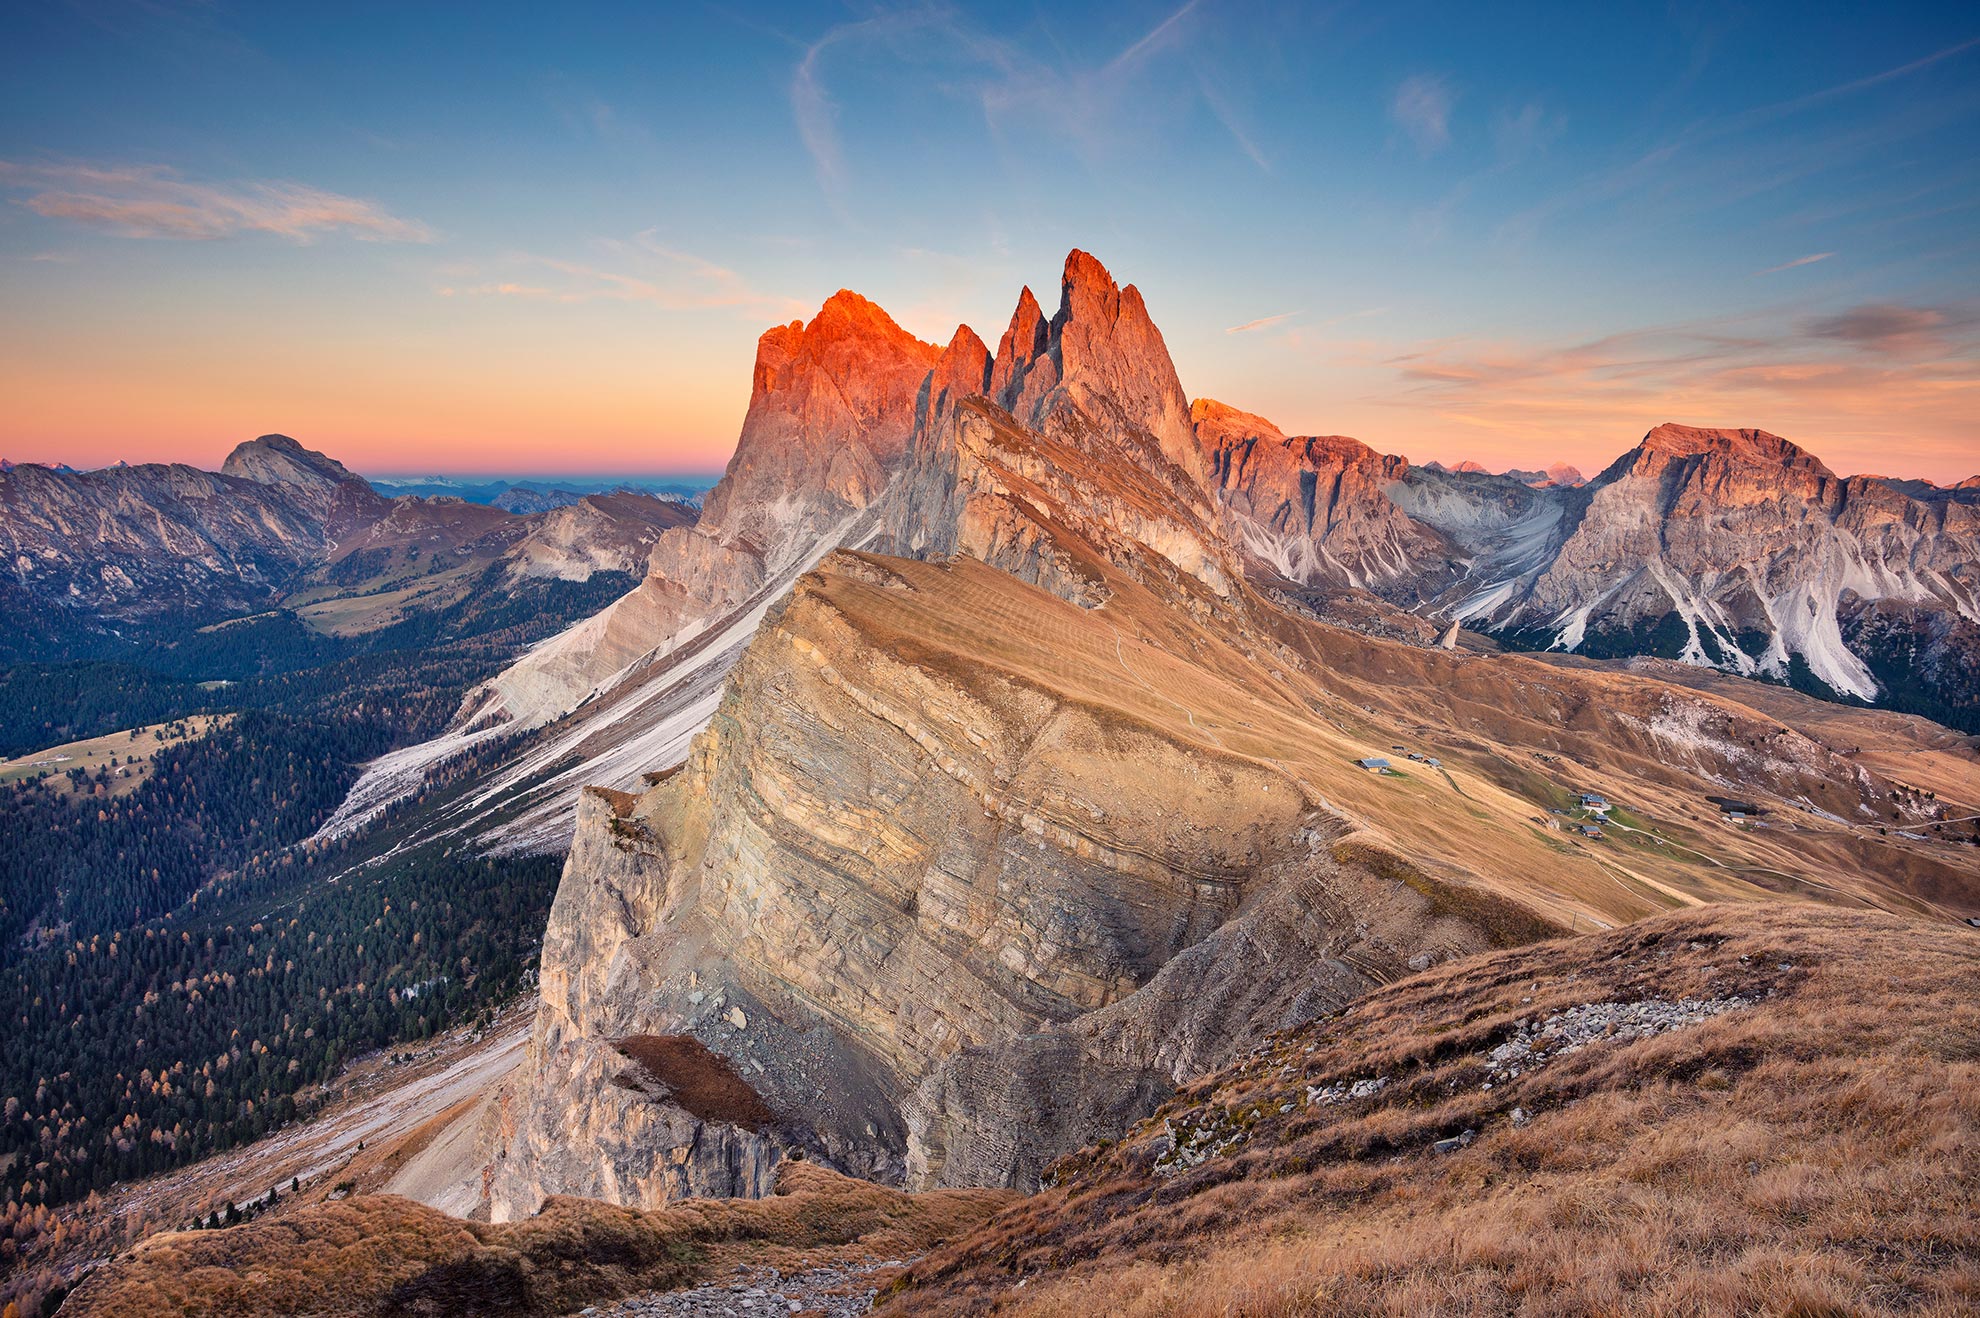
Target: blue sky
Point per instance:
(530, 238)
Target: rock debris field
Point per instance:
(824, 1292)
(1192, 1139)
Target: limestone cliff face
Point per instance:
(618, 1135)
(911, 850)
(1315, 510)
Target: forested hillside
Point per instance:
(179, 970)
(152, 1046)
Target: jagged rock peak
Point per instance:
(962, 371)
(847, 329)
(964, 365)
(1026, 343)
(1101, 356)
(831, 408)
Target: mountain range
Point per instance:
(973, 772)
(103, 558)
(1015, 753)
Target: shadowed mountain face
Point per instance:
(1045, 799)
(128, 543)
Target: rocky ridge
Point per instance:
(901, 877)
(832, 406)
(1739, 550)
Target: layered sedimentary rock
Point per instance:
(926, 841)
(968, 867)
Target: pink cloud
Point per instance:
(151, 201)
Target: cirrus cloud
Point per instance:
(1422, 109)
(154, 201)
(641, 269)
(1886, 327)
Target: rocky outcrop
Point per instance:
(832, 406)
(1315, 510)
(903, 857)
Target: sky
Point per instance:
(541, 239)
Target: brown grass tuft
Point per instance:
(377, 1255)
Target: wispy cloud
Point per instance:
(1884, 370)
(815, 113)
(1092, 107)
(1705, 165)
(1527, 131)
(1790, 265)
(1263, 322)
(1228, 117)
(1887, 327)
(642, 270)
(152, 201)
(1422, 109)
(1765, 113)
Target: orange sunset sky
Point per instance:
(548, 245)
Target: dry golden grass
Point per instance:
(1816, 1152)
(384, 1255)
(133, 748)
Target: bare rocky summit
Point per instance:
(832, 407)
